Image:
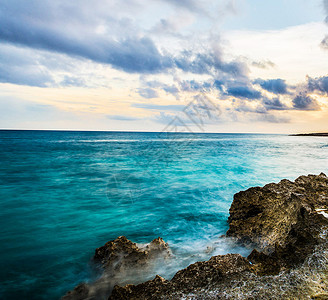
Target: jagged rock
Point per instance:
(121, 261)
(286, 223)
(281, 220)
(80, 292)
(147, 290)
(194, 278)
(121, 253)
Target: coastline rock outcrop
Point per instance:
(121, 261)
(200, 275)
(282, 221)
(286, 225)
(121, 253)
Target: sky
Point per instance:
(164, 65)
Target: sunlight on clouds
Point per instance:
(295, 51)
(129, 66)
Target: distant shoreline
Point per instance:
(310, 134)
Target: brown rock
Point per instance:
(122, 261)
(287, 225)
(148, 290)
(281, 220)
(121, 253)
(80, 292)
(197, 276)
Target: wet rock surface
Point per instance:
(193, 279)
(121, 261)
(285, 224)
(122, 253)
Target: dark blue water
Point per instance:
(63, 194)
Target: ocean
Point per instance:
(63, 194)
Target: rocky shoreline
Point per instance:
(285, 224)
(310, 134)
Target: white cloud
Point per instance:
(295, 51)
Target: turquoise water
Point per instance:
(63, 194)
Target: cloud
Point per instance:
(121, 118)
(324, 42)
(256, 113)
(193, 85)
(265, 64)
(22, 67)
(132, 55)
(39, 37)
(272, 118)
(95, 32)
(274, 104)
(191, 5)
(246, 108)
(159, 107)
(276, 86)
(209, 63)
(305, 102)
(39, 68)
(73, 81)
(244, 92)
(147, 93)
(30, 114)
(201, 110)
(319, 84)
(154, 84)
(171, 89)
(67, 29)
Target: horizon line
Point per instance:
(140, 131)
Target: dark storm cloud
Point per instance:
(276, 86)
(244, 92)
(305, 102)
